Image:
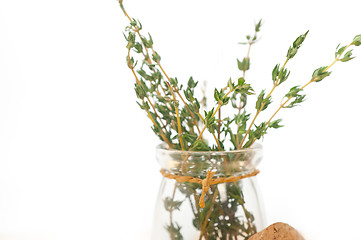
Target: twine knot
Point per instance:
(206, 184)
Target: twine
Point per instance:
(207, 182)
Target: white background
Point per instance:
(77, 154)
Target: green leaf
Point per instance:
(150, 40)
(275, 124)
(170, 204)
(140, 27)
(266, 103)
(244, 88)
(260, 100)
(146, 106)
(191, 83)
(199, 145)
(235, 193)
(133, 23)
(293, 92)
(138, 47)
(146, 43)
(156, 57)
(217, 95)
(131, 40)
(244, 65)
(140, 105)
(347, 56)
(141, 93)
(339, 51)
(196, 104)
(320, 73)
(283, 75)
(230, 85)
(262, 103)
(298, 99)
(275, 72)
(209, 121)
(225, 101)
(174, 231)
(188, 93)
(174, 82)
(260, 130)
(189, 138)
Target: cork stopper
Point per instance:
(278, 231)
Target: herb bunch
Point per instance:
(175, 110)
(180, 121)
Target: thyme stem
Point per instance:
(178, 118)
(247, 57)
(204, 225)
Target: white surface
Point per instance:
(70, 130)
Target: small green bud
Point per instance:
(258, 26)
(297, 43)
(357, 40)
(291, 52)
(241, 81)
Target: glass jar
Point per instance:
(232, 210)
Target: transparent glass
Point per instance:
(232, 210)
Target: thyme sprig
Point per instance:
(279, 75)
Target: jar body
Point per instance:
(232, 210)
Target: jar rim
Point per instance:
(255, 147)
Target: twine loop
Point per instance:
(207, 182)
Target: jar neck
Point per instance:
(196, 164)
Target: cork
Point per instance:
(278, 231)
